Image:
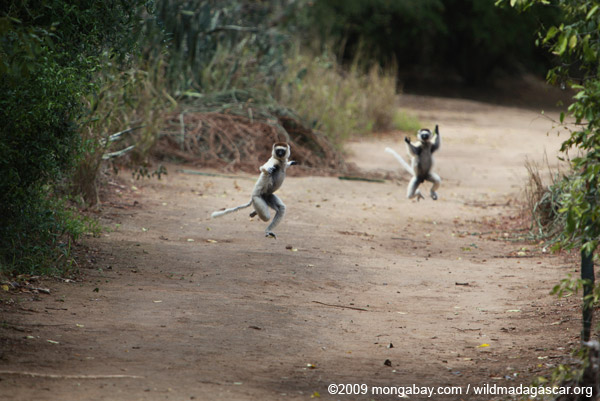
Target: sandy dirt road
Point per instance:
(174, 306)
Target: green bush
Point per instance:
(49, 50)
(39, 235)
(38, 142)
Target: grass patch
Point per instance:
(543, 200)
(339, 103)
(404, 121)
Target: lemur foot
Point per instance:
(270, 234)
(254, 213)
(419, 196)
(434, 196)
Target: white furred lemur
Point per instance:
(272, 174)
(422, 162)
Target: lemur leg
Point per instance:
(261, 208)
(279, 207)
(413, 190)
(433, 177)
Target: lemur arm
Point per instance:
(268, 167)
(272, 164)
(412, 149)
(438, 140)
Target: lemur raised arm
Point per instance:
(422, 162)
(272, 174)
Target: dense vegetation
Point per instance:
(576, 42)
(49, 51)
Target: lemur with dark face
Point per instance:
(272, 175)
(422, 162)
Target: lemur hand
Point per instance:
(293, 162)
(406, 139)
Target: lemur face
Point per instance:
(424, 135)
(281, 150)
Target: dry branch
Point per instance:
(341, 306)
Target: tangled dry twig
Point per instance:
(233, 142)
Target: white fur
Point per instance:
(227, 211)
(404, 164)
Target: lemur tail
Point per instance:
(227, 211)
(401, 160)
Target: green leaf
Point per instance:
(591, 12)
(551, 33)
(570, 223)
(572, 41)
(561, 45)
(589, 54)
(589, 247)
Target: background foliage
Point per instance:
(215, 47)
(468, 40)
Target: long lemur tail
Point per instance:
(233, 209)
(401, 160)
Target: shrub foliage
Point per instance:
(49, 50)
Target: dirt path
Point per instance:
(184, 308)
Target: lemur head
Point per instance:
(281, 150)
(424, 135)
